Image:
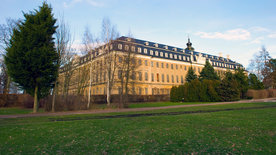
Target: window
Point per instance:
(146, 76)
(171, 66)
(151, 63)
(120, 46)
(151, 52)
(179, 57)
(172, 79)
(176, 66)
(146, 91)
(140, 91)
(185, 68)
(126, 47)
(184, 58)
(145, 51)
(133, 76)
(152, 77)
(182, 81)
(157, 64)
(139, 50)
(163, 78)
(171, 56)
(167, 65)
(146, 62)
(168, 78)
(157, 77)
(166, 55)
(140, 62)
(188, 58)
(177, 79)
(161, 54)
(133, 48)
(140, 76)
(175, 56)
(162, 65)
(156, 53)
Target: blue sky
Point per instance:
(232, 27)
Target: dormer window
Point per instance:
(147, 43)
(126, 47)
(132, 48)
(156, 45)
(175, 49)
(184, 58)
(166, 47)
(128, 39)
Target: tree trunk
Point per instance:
(90, 83)
(108, 93)
(54, 97)
(35, 100)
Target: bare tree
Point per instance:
(109, 33)
(258, 62)
(6, 31)
(63, 46)
(89, 45)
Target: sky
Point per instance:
(238, 28)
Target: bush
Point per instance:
(65, 103)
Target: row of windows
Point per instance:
(155, 53)
(223, 65)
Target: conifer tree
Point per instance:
(191, 75)
(208, 72)
(254, 82)
(242, 81)
(228, 89)
(31, 57)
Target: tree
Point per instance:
(258, 62)
(208, 72)
(191, 75)
(242, 81)
(228, 89)
(63, 44)
(6, 31)
(109, 33)
(32, 60)
(269, 73)
(254, 82)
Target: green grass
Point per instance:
(15, 110)
(248, 131)
(161, 104)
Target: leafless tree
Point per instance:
(258, 62)
(6, 31)
(63, 46)
(109, 33)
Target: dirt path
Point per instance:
(130, 110)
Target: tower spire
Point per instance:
(189, 45)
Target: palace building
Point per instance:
(158, 68)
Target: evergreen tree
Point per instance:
(208, 72)
(191, 75)
(254, 82)
(242, 82)
(31, 58)
(228, 89)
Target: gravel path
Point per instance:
(130, 110)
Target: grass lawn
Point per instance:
(245, 128)
(17, 110)
(161, 104)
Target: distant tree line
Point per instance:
(208, 87)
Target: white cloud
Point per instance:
(272, 35)
(257, 40)
(93, 3)
(235, 34)
(258, 29)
